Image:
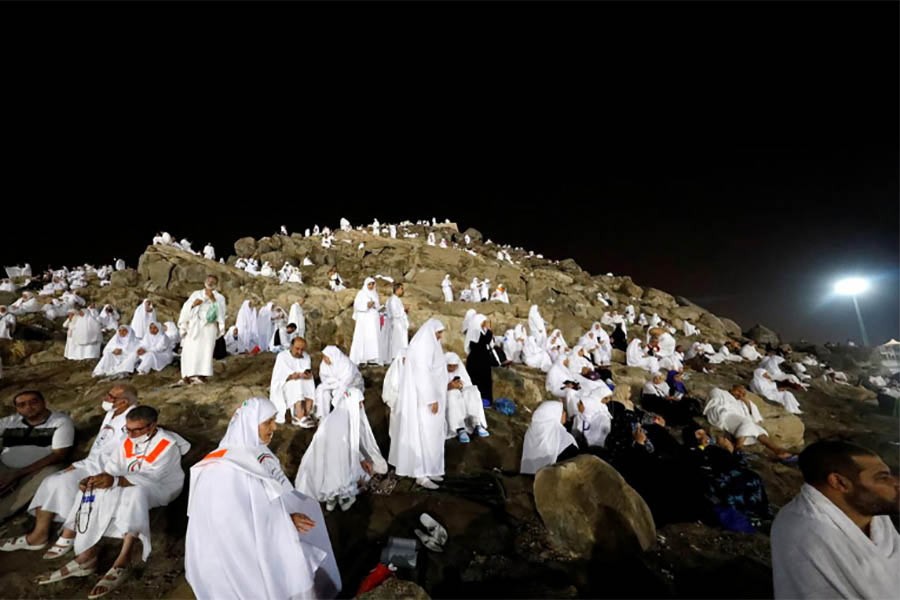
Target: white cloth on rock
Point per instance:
(546, 437)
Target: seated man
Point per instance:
(465, 410)
(738, 415)
(57, 493)
(142, 473)
(750, 352)
(26, 304)
(292, 386)
(835, 539)
(36, 441)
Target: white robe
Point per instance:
(158, 355)
(198, 336)
(417, 448)
(545, 439)
(447, 289)
(535, 356)
(209, 252)
(465, 410)
(298, 318)
(59, 492)
(727, 412)
(331, 464)
(248, 328)
(335, 378)
(365, 346)
(536, 325)
(634, 357)
(154, 470)
(818, 552)
(283, 393)
(84, 338)
(142, 319)
(768, 389)
(109, 319)
(241, 542)
(114, 364)
(24, 306)
(399, 334)
(772, 364)
(7, 325)
(264, 326)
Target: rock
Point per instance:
(731, 328)
(785, 429)
(474, 234)
(630, 289)
(618, 356)
(124, 278)
(570, 266)
(711, 321)
(655, 297)
(590, 511)
(684, 302)
(396, 589)
(245, 247)
(689, 313)
(763, 335)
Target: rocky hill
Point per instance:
(500, 544)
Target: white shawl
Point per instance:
(545, 438)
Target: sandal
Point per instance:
(71, 569)
(19, 543)
(59, 548)
(114, 578)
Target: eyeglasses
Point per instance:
(109, 395)
(132, 431)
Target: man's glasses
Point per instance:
(134, 430)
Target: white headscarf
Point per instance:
(248, 327)
(536, 324)
(546, 437)
(243, 430)
(127, 341)
(467, 319)
(341, 368)
(142, 319)
(473, 333)
(452, 358)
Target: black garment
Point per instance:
(479, 363)
(619, 339)
(728, 482)
(571, 451)
(675, 412)
(220, 351)
(657, 469)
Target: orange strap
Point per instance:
(160, 447)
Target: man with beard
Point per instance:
(835, 539)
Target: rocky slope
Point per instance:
(500, 546)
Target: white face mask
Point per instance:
(142, 439)
(106, 406)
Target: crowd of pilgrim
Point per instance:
(281, 548)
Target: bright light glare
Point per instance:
(851, 286)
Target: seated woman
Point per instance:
(342, 456)
(546, 440)
(155, 350)
(336, 374)
(250, 534)
(669, 399)
(465, 409)
(734, 493)
(120, 355)
(651, 461)
(638, 356)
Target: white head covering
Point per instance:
(468, 319)
(243, 430)
(536, 324)
(127, 341)
(248, 327)
(546, 437)
(141, 319)
(474, 330)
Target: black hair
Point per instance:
(397, 286)
(144, 413)
(824, 457)
(35, 393)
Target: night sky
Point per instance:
(741, 155)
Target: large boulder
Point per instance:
(473, 233)
(655, 297)
(590, 511)
(763, 335)
(731, 328)
(785, 429)
(124, 278)
(630, 289)
(245, 247)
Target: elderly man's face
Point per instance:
(298, 346)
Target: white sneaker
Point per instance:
(437, 478)
(427, 483)
(347, 502)
(331, 504)
(428, 541)
(435, 529)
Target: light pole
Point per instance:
(853, 286)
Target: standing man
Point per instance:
(399, 316)
(201, 323)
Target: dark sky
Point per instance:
(742, 155)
